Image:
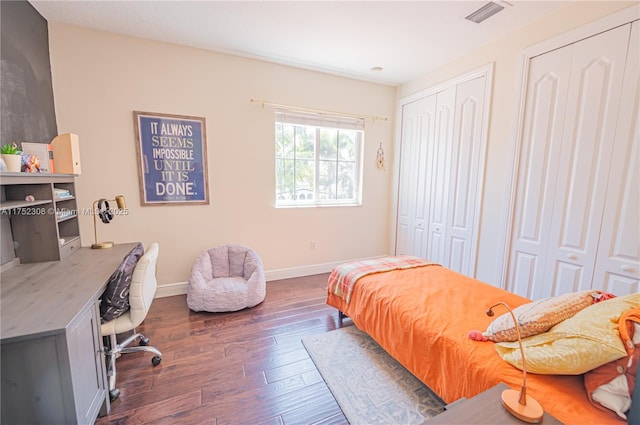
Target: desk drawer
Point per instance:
(69, 247)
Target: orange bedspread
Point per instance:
(422, 316)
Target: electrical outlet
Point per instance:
(312, 245)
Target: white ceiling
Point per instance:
(406, 38)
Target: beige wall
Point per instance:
(506, 54)
(99, 79)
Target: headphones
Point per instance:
(104, 211)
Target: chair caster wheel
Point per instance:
(144, 341)
(113, 394)
(156, 360)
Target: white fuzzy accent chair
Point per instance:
(226, 278)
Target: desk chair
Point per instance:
(141, 293)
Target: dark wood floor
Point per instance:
(246, 367)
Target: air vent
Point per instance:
(485, 12)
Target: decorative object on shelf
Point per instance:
(380, 157)
(62, 193)
(12, 157)
(172, 159)
(102, 209)
(43, 154)
(31, 163)
(518, 403)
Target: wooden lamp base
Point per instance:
(532, 412)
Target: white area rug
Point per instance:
(369, 385)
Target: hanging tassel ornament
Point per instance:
(380, 157)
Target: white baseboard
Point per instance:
(301, 271)
(171, 289)
(180, 288)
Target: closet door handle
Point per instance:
(572, 257)
(627, 268)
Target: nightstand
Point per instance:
(483, 409)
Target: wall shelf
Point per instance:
(10, 205)
(35, 228)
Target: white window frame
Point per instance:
(320, 121)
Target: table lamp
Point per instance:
(102, 209)
(518, 403)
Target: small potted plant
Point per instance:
(12, 157)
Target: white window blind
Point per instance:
(319, 120)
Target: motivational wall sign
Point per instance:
(172, 158)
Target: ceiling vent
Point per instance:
(485, 12)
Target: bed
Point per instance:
(422, 316)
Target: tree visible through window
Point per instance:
(318, 159)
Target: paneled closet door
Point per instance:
(408, 178)
(464, 172)
(618, 260)
(426, 130)
(547, 86)
(438, 163)
(595, 87)
(413, 213)
(441, 162)
(571, 109)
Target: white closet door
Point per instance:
(426, 131)
(408, 180)
(571, 111)
(413, 215)
(618, 260)
(547, 86)
(597, 72)
(441, 160)
(463, 190)
(438, 163)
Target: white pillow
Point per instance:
(614, 395)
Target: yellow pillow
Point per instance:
(539, 316)
(575, 346)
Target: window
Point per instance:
(318, 159)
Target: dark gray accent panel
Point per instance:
(26, 92)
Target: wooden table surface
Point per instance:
(43, 298)
(483, 409)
